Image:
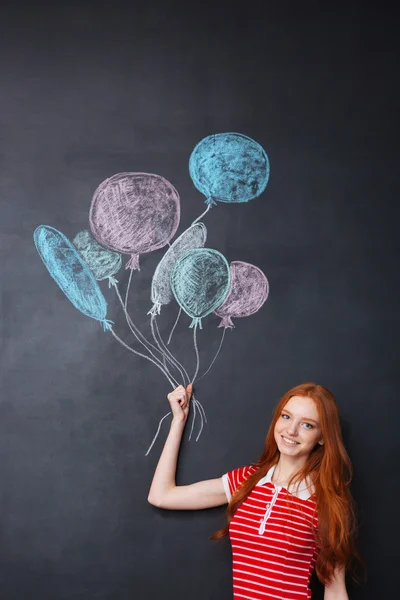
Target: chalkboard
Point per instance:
(90, 90)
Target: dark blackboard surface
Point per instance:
(89, 90)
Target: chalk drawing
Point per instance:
(134, 213)
(248, 291)
(69, 270)
(200, 282)
(229, 167)
(103, 263)
(161, 292)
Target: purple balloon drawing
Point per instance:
(248, 291)
(134, 213)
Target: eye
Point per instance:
(283, 415)
(308, 426)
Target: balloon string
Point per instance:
(199, 406)
(164, 349)
(165, 356)
(158, 364)
(157, 432)
(216, 356)
(193, 420)
(197, 353)
(137, 333)
(172, 357)
(175, 324)
(202, 215)
(179, 366)
(143, 356)
(127, 289)
(195, 403)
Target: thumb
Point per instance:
(189, 390)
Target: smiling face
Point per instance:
(297, 429)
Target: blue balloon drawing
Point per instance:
(229, 167)
(71, 273)
(103, 263)
(200, 282)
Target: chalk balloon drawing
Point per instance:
(200, 282)
(103, 263)
(71, 273)
(229, 167)
(161, 291)
(248, 291)
(134, 213)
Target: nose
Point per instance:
(292, 429)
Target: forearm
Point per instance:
(332, 595)
(164, 476)
(336, 590)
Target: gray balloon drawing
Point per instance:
(161, 292)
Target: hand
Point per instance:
(179, 402)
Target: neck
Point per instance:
(286, 467)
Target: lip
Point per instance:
(287, 443)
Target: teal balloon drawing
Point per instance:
(200, 282)
(229, 167)
(161, 293)
(103, 263)
(71, 273)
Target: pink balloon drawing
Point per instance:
(248, 291)
(134, 213)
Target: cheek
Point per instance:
(313, 437)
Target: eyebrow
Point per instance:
(304, 418)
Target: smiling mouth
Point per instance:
(292, 442)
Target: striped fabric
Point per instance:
(273, 546)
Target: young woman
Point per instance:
(288, 513)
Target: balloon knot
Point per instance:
(112, 281)
(155, 309)
(107, 324)
(196, 322)
(226, 322)
(133, 263)
(210, 201)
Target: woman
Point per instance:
(288, 513)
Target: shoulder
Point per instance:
(232, 480)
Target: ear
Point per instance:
(321, 442)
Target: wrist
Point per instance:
(178, 422)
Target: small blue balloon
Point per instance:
(103, 263)
(71, 273)
(229, 167)
(200, 282)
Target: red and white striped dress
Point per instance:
(273, 546)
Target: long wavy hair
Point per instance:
(329, 468)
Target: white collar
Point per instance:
(303, 490)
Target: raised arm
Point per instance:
(164, 493)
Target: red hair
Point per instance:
(329, 468)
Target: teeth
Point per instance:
(288, 441)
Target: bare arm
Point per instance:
(336, 590)
(164, 493)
